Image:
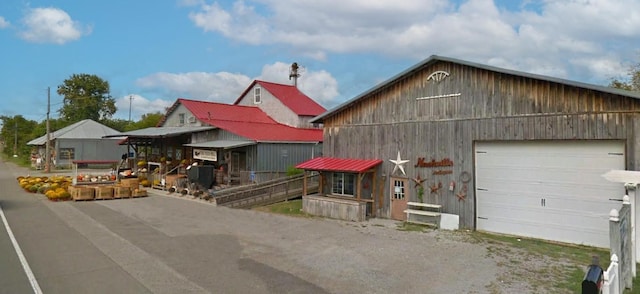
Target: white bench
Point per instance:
(432, 211)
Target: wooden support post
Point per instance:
(374, 192)
(359, 187)
(304, 184)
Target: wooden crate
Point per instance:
(121, 192)
(103, 192)
(81, 193)
(138, 193)
(130, 182)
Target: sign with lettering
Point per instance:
(202, 154)
(433, 163)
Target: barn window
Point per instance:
(256, 95)
(343, 184)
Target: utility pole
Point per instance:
(130, 99)
(15, 142)
(47, 156)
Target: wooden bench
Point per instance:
(431, 211)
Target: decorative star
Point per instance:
(462, 193)
(398, 164)
(418, 181)
(435, 187)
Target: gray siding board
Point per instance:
(90, 149)
(280, 156)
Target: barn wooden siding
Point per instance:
(491, 106)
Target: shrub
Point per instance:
(292, 171)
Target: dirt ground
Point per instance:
(377, 257)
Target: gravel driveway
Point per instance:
(368, 257)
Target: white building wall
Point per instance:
(272, 106)
(173, 119)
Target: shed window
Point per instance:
(256, 95)
(343, 184)
(67, 153)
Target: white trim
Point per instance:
(259, 95)
(439, 96)
(25, 265)
(438, 75)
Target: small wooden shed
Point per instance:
(347, 188)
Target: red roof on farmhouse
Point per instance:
(290, 96)
(249, 122)
(339, 164)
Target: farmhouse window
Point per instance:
(343, 184)
(256, 95)
(181, 118)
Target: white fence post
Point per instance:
(611, 283)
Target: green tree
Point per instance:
(15, 133)
(146, 121)
(86, 97)
(119, 125)
(631, 83)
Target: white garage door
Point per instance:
(550, 190)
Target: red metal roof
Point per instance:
(339, 164)
(290, 96)
(249, 122)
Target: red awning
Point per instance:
(339, 164)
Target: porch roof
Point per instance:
(225, 144)
(339, 164)
(161, 132)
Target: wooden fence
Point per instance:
(619, 275)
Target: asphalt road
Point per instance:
(168, 244)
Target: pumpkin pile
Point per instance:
(55, 188)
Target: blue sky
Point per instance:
(158, 51)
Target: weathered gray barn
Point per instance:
(506, 151)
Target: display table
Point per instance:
(94, 172)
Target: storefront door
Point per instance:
(399, 198)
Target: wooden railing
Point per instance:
(265, 193)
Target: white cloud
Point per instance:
(226, 87)
(318, 85)
(51, 25)
(139, 106)
(540, 38)
(4, 23)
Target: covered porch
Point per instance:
(348, 188)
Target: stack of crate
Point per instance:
(79, 192)
(103, 192)
(133, 184)
(120, 191)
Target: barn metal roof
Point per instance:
(249, 122)
(161, 132)
(225, 144)
(290, 96)
(435, 58)
(84, 129)
(339, 164)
